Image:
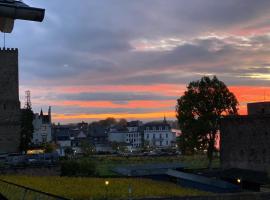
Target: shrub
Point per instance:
(84, 167)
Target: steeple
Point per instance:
(41, 113)
(165, 120)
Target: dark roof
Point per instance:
(157, 124)
(201, 179)
(147, 169)
(45, 118)
(134, 123)
(97, 131)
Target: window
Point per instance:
(147, 136)
(160, 128)
(154, 128)
(166, 128)
(154, 136)
(147, 128)
(160, 143)
(166, 135)
(4, 106)
(160, 136)
(167, 143)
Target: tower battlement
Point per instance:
(4, 49)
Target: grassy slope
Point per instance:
(104, 164)
(86, 188)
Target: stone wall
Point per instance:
(245, 142)
(9, 101)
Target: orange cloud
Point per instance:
(145, 116)
(244, 94)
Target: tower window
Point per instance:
(4, 106)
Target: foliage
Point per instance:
(27, 128)
(199, 112)
(69, 152)
(119, 146)
(85, 167)
(106, 163)
(94, 188)
(50, 147)
(122, 122)
(87, 148)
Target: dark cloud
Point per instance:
(115, 96)
(100, 42)
(79, 110)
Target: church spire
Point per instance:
(41, 113)
(165, 120)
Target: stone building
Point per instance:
(245, 139)
(9, 102)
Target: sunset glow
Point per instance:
(135, 59)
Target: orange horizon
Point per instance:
(244, 94)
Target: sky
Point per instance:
(132, 59)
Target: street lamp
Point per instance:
(106, 185)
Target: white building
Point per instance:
(159, 134)
(42, 128)
(131, 134)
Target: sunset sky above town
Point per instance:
(92, 59)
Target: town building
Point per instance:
(245, 139)
(131, 134)
(42, 128)
(159, 135)
(62, 138)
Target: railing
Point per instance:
(13, 191)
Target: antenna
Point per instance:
(28, 103)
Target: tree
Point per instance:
(49, 147)
(87, 148)
(199, 112)
(122, 122)
(27, 128)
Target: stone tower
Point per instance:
(9, 101)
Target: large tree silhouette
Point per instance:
(27, 128)
(199, 112)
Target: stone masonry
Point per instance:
(245, 139)
(9, 101)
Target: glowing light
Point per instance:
(107, 183)
(238, 180)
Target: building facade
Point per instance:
(9, 102)
(130, 134)
(159, 135)
(245, 139)
(42, 128)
